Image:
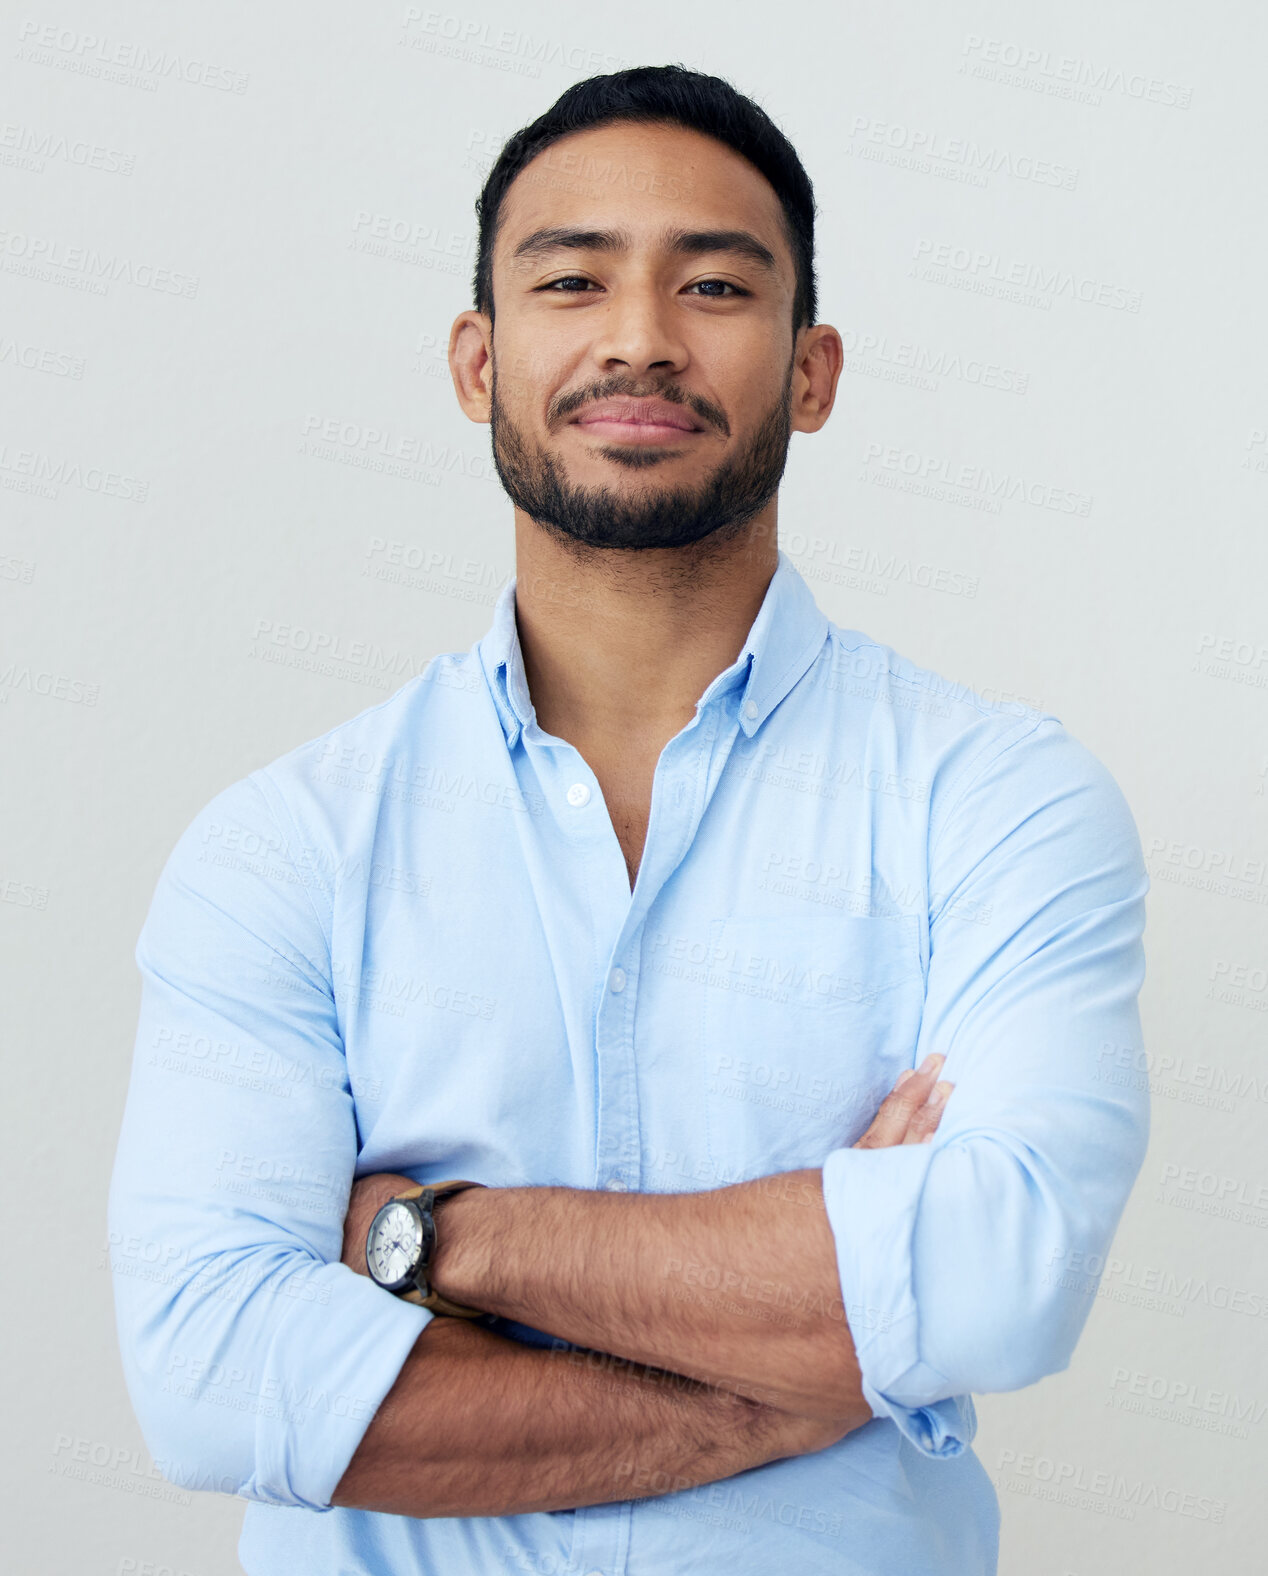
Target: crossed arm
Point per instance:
(716, 1319)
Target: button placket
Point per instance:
(683, 775)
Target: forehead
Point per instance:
(644, 180)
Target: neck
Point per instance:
(620, 645)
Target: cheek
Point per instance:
(748, 387)
(534, 368)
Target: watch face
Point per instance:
(392, 1247)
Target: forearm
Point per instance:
(478, 1425)
(737, 1286)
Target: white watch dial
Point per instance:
(394, 1244)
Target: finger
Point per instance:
(924, 1123)
(909, 1093)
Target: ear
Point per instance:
(471, 365)
(817, 363)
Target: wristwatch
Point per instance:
(401, 1245)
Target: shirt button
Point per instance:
(578, 795)
(616, 980)
(750, 709)
(615, 1185)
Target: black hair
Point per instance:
(650, 94)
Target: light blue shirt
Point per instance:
(411, 945)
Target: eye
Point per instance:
(570, 279)
(726, 283)
(555, 286)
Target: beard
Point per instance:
(599, 517)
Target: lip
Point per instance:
(638, 420)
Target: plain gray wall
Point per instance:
(282, 197)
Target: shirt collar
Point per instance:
(783, 641)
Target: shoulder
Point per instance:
(366, 743)
(333, 788)
(855, 663)
(293, 821)
(979, 751)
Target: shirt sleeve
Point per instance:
(964, 1262)
(254, 1359)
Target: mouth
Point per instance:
(638, 421)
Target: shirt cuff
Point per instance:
(333, 1359)
(944, 1429)
(871, 1197)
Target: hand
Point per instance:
(368, 1196)
(910, 1113)
(790, 1433)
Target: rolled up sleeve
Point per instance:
(254, 1359)
(963, 1262)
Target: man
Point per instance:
(634, 914)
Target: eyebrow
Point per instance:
(683, 243)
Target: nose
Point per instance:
(635, 332)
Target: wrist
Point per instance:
(368, 1195)
(462, 1265)
(785, 1434)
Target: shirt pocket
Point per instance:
(804, 1023)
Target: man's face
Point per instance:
(586, 329)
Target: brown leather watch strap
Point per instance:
(435, 1303)
(438, 1188)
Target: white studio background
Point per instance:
(1042, 236)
